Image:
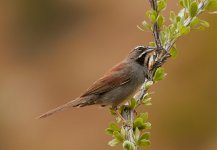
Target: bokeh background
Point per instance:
(52, 50)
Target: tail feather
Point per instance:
(73, 103)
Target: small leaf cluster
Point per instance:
(159, 74)
(179, 25)
(140, 134)
(117, 133)
(146, 99)
(211, 4)
(141, 137)
(154, 17)
(185, 21)
(140, 125)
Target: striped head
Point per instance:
(144, 56)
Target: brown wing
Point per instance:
(114, 78)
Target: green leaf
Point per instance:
(204, 23)
(161, 5)
(146, 99)
(123, 132)
(144, 143)
(148, 84)
(159, 74)
(114, 142)
(153, 44)
(160, 20)
(144, 116)
(112, 112)
(184, 30)
(193, 9)
(200, 28)
(118, 136)
(152, 15)
(181, 3)
(147, 95)
(186, 3)
(172, 17)
(145, 136)
(147, 125)
(199, 24)
(211, 4)
(133, 103)
(137, 134)
(146, 25)
(148, 104)
(195, 21)
(182, 13)
(162, 37)
(118, 119)
(213, 12)
(138, 122)
(178, 18)
(109, 131)
(114, 127)
(127, 145)
(173, 52)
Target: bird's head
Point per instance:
(144, 56)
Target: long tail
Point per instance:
(73, 103)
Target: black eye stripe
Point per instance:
(141, 58)
(145, 58)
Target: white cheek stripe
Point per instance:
(151, 61)
(142, 54)
(146, 51)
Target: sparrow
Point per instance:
(119, 84)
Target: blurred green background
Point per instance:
(52, 50)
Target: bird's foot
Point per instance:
(118, 114)
(135, 112)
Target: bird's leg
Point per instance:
(135, 112)
(119, 115)
(115, 108)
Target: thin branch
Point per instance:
(200, 10)
(129, 115)
(156, 29)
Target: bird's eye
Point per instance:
(140, 48)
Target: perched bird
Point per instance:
(118, 84)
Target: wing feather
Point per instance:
(114, 78)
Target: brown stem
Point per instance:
(128, 115)
(156, 29)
